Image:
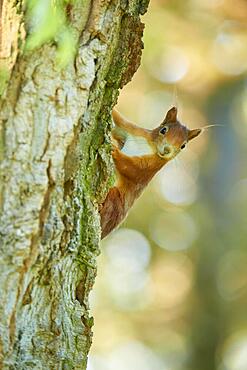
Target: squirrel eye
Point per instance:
(183, 146)
(163, 130)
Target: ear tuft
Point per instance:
(194, 133)
(171, 115)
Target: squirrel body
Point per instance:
(138, 154)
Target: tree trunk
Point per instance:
(55, 166)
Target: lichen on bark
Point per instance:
(55, 167)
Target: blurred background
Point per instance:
(171, 290)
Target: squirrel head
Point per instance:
(171, 136)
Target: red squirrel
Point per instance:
(138, 155)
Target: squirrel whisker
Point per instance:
(213, 125)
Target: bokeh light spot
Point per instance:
(177, 181)
(174, 231)
(232, 278)
(128, 249)
(128, 253)
(234, 352)
(171, 66)
(229, 51)
(171, 281)
(134, 355)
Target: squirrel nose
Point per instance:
(167, 150)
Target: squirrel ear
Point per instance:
(194, 133)
(171, 115)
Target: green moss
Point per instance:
(4, 77)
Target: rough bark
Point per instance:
(55, 166)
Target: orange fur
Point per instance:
(135, 172)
